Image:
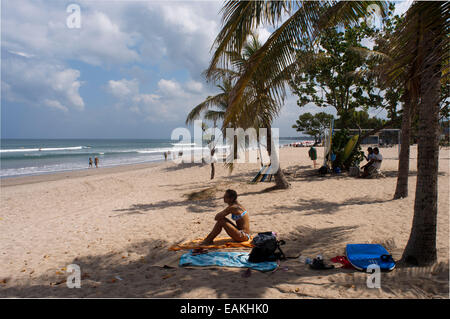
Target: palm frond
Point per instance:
(210, 101)
(279, 50)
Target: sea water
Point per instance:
(21, 157)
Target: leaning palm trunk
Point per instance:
(213, 169)
(401, 191)
(421, 247)
(280, 179)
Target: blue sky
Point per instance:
(132, 70)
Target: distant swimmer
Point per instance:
(96, 161)
(90, 161)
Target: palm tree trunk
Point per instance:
(280, 179)
(421, 247)
(401, 191)
(213, 169)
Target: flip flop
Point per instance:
(319, 265)
(342, 260)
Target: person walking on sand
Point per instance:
(241, 230)
(90, 162)
(313, 154)
(96, 161)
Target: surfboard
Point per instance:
(348, 149)
(264, 177)
(255, 179)
(264, 174)
(327, 144)
(362, 256)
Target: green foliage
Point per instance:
(324, 77)
(291, 20)
(339, 141)
(313, 125)
(394, 90)
(360, 119)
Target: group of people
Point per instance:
(96, 161)
(374, 159)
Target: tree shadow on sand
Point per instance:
(181, 166)
(131, 273)
(198, 206)
(320, 206)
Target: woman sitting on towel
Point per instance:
(239, 232)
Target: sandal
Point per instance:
(319, 265)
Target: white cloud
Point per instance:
(175, 35)
(40, 28)
(146, 98)
(55, 104)
(171, 101)
(194, 86)
(22, 54)
(170, 88)
(123, 88)
(37, 82)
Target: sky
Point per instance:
(124, 69)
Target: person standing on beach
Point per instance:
(96, 162)
(165, 156)
(90, 161)
(241, 230)
(313, 155)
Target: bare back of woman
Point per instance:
(239, 231)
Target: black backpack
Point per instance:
(265, 248)
(323, 170)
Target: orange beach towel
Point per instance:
(219, 243)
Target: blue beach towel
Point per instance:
(225, 259)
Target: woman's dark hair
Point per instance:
(231, 193)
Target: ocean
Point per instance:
(22, 157)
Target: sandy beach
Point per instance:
(117, 225)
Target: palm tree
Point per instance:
(258, 107)
(277, 55)
(214, 108)
(390, 75)
(272, 63)
(427, 25)
(261, 107)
